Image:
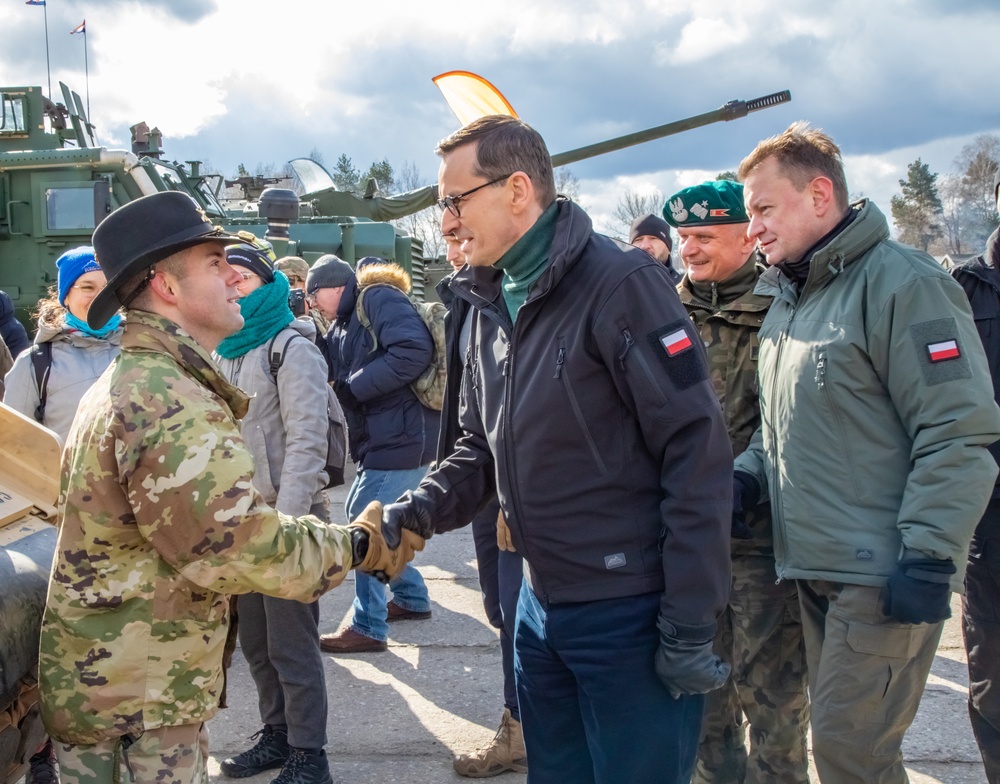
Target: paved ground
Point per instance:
(397, 717)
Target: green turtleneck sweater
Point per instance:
(525, 262)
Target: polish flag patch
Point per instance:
(946, 349)
(719, 213)
(676, 342)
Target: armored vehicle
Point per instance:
(57, 183)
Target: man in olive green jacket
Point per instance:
(760, 632)
(876, 409)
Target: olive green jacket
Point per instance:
(159, 524)
(728, 315)
(873, 433)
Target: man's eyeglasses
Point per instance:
(450, 203)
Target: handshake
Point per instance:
(385, 539)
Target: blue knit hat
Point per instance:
(71, 265)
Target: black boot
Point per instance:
(270, 751)
(303, 767)
(43, 766)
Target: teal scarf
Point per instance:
(525, 262)
(72, 322)
(265, 313)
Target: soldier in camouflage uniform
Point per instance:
(760, 632)
(159, 522)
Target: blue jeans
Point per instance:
(592, 709)
(408, 590)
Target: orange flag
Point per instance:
(471, 97)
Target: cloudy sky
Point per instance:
(248, 81)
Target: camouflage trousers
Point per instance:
(760, 633)
(168, 755)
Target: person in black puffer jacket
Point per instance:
(980, 277)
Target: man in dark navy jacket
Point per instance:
(587, 408)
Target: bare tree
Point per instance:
(953, 213)
(567, 183)
(426, 224)
(977, 164)
(631, 205)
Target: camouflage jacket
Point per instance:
(728, 316)
(159, 524)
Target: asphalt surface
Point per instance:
(398, 716)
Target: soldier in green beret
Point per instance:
(759, 632)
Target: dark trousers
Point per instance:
(500, 575)
(592, 709)
(981, 629)
(280, 641)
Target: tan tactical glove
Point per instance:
(375, 556)
(503, 535)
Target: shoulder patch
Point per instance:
(674, 345)
(939, 351)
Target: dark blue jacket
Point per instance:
(388, 428)
(11, 330)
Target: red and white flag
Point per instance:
(80, 28)
(676, 342)
(946, 349)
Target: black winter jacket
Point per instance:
(609, 455)
(980, 277)
(388, 428)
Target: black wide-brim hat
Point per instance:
(141, 233)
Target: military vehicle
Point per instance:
(29, 487)
(57, 183)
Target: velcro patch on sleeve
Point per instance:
(940, 352)
(674, 345)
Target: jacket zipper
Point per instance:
(778, 523)
(505, 435)
(595, 453)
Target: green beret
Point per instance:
(708, 204)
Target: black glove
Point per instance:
(746, 495)
(687, 666)
(411, 512)
(919, 591)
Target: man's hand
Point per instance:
(409, 514)
(919, 590)
(503, 535)
(746, 495)
(687, 666)
(371, 552)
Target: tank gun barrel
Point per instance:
(733, 110)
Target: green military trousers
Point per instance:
(866, 676)
(167, 755)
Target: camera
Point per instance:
(297, 302)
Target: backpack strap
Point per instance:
(276, 359)
(359, 308)
(41, 361)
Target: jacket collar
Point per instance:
(573, 230)
(733, 293)
(836, 254)
(153, 333)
